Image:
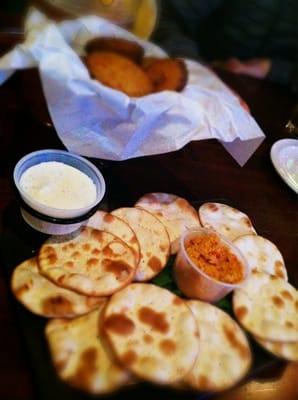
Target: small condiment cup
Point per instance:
(50, 220)
(196, 284)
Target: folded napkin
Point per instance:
(96, 121)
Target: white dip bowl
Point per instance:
(50, 220)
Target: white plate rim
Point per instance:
(276, 147)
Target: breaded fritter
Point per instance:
(124, 47)
(166, 73)
(119, 73)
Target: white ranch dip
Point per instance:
(58, 185)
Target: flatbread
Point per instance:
(224, 352)
(91, 262)
(287, 351)
(153, 239)
(262, 255)
(267, 307)
(174, 212)
(152, 331)
(226, 220)
(81, 355)
(42, 297)
(104, 221)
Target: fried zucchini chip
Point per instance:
(166, 74)
(124, 47)
(119, 73)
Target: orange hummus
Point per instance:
(214, 258)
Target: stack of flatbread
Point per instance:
(111, 327)
(266, 305)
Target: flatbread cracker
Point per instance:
(152, 331)
(105, 221)
(152, 237)
(287, 351)
(267, 307)
(224, 352)
(91, 262)
(42, 297)
(226, 220)
(174, 212)
(262, 255)
(82, 356)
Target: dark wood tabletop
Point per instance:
(201, 171)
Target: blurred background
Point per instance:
(138, 16)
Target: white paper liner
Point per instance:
(96, 121)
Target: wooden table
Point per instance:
(200, 171)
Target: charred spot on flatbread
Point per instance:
(240, 312)
(278, 301)
(287, 295)
(242, 349)
(167, 346)
(129, 358)
(148, 338)
(154, 262)
(82, 378)
(57, 305)
(120, 269)
(157, 321)
(119, 324)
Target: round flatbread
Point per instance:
(152, 331)
(153, 239)
(226, 220)
(82, 356)
(287, 351)
(267, 307)
(42, 297)
(224, 356)
(174, 212)
(104, 221)
(262, 255)
(89, 261)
